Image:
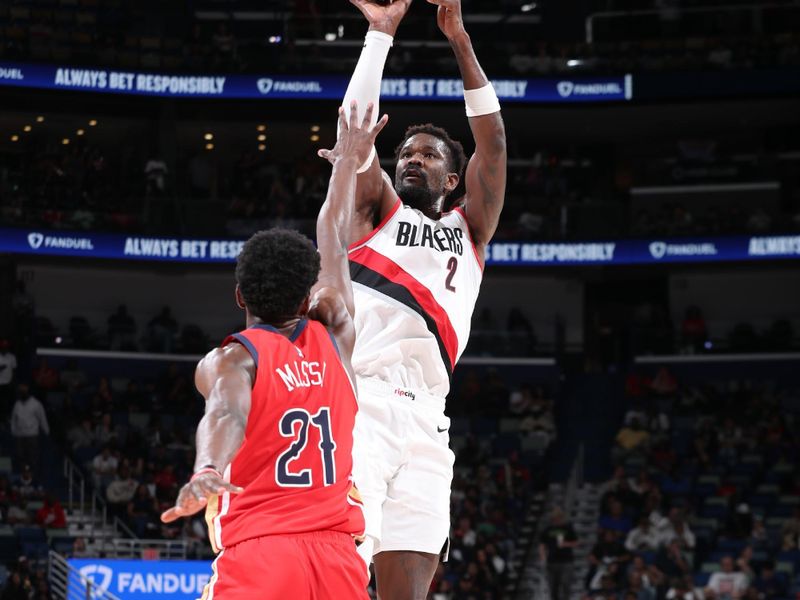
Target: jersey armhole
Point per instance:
(460, 211)
(248, 345)
(380, 226)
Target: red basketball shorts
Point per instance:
(309, 566)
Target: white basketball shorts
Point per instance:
(403, 468)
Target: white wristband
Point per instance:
(482, 101)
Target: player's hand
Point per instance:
(383, 17)
(449, 17)
(194, 496)
(355, 141)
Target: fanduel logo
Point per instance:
(658, 249)
(565, 88)
(100, 576)
(265, 85)
(11, 74)
(569, 88)
(35, 240)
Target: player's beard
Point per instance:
(420, 197)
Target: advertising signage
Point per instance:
(324, 87)
(501, 253)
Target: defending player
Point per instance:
(273, 466)
(416, 274)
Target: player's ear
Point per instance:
(451, 182)
(239, 298)
(305, 306)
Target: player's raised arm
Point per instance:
(365, 89)
(332, 297)
(486, 173)
(225, 378)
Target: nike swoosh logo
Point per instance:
(440, 430)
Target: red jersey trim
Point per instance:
(393, 272)
(380, 226)
(460, 211)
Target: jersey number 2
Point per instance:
(452, 265)
(322, 421)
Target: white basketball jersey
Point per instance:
(415, 283)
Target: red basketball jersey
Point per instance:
(295, 463)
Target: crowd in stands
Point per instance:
(704, 501)
(552, 194)
(653, 332)
(132, 437)
(132, 35)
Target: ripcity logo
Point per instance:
(405, 394)
(565, 88)
(100, 576)
(265, 85)
(658, 250)
(35, 240)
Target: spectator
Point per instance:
(72, 377)
(672, 561)
(768, 584)
(643, 538)
(18, 512)
(121, 491)
(616, 520)
(105, 433)
(693, 331)
(607, 556)
(80, 549)
(556, 551)
(638, 587)
(45, 377)
(28, 421)
(82, 435)
(17, 587)
(142, 511)
(51, 514)
(743, 563)
(790, 531)
(27, 486)
(121, 330)
(664, 383)
(630, 441)
(161, 332)
(727, 584)
(104, 467)
(682, 588)
(676, 528)
(8, 364)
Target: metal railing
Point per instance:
(149, 549)
(92, 507)
(68, 583)
(757, 11)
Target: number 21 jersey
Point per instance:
(295, 463)
(415, 284)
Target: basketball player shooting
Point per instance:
(273, 466)
(416, 274)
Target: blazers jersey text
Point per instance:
(415, 284)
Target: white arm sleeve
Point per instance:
(365, 84)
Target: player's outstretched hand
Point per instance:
(449, 18)
(385, 16)
(355, 141)
(194, 496)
